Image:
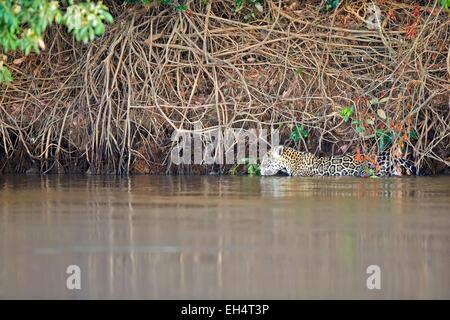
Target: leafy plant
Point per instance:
(86, 20)
(370, 172)
(384, 129)
(250, 168)
(359, 126)
(5, 74)
(23, 23)
(238, 4)
(253, 170)
(298, 133)
(138, 1)
(346, 113)
(384, 138)
(331, 4)
(445, 4)
(413, 134)
(181, 7)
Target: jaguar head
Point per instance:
(272, 163)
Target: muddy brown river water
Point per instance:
(224, 237)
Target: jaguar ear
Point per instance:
(278, 151)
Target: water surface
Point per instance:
(224, 237)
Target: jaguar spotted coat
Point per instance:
(296, 163)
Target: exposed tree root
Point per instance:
(112, 106)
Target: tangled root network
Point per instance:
(111, 106)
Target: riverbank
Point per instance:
(333, 78)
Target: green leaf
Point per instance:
(108, 17)
(385, 138)
(298, 133)
(370, 172)
(238, 5)
(413, 135)
(253, 170)
(86, 20)
(99, 29)
(5, 75)
(346, 113)
(331, 4)
(182, 7)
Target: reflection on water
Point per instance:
(224, 237)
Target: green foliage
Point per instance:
(238, 5)
(23, 23)
(370, 172)
(386, 130)
(5, 74)
(181, 7)
(138, 1)
(250, 168)
(384, 138)
(253, 170)
(445, 4)
(413, 135)
(298, 133)
(178, 5)
(331, 5)
(346, 113)
(359, 126)
(86, 20)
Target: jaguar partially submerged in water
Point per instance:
(296, 163)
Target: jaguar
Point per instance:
(290, 161)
